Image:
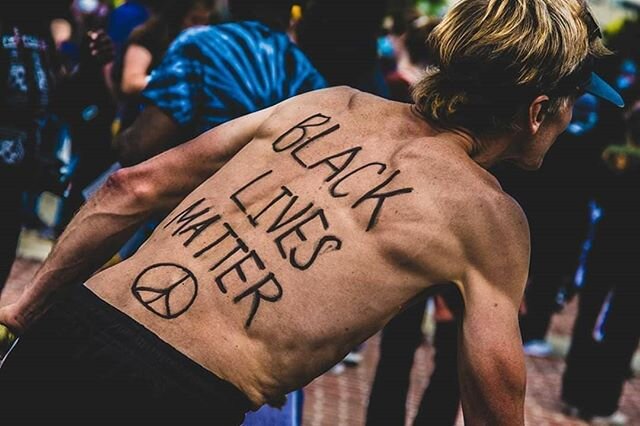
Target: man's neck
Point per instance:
(487, 151)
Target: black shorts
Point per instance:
(87, 363)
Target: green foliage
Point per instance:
(432, 7)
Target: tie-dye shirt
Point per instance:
(213, 74)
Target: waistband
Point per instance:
(138, 343)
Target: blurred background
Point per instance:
(89, 85)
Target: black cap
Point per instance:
(597, 86)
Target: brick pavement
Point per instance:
(340, 400)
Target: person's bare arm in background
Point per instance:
(137, 60)
(490, 356)
(129, 196)
(153, 132)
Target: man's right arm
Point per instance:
(129, 196)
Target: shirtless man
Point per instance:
(299, 231)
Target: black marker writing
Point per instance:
(299, 232)
(235, 196)
(240, 245)
(186, 216)
(258, 295)
(301, 130)
(381, 198)
(281, 221)
(337, 162)
(237, 267)
(169, 290)
(284, 193)
(331, 241)
(166, 289)
(333, 188)
(296, 152)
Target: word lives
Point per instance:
(293, 225)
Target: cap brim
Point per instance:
(597, 86)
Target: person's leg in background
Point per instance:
(618, 332)
(541, 304)
(614, 339)
(400, 338)
(578, 377)
(441, 400)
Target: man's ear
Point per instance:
(537, 113)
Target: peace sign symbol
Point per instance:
(166, 289)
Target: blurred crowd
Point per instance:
(88, 86)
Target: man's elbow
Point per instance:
(516, 384)
(512, 385)
(496, 395)
(134, 185)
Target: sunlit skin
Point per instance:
(137, 58)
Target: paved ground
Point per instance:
(333, 400)
(340, 400)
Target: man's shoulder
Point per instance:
(344, 97)
(493, 208)
(493, 227)
(482, 213)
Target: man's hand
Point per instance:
(8, 329)
(7, 338)
(96, 49)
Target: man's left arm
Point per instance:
(491, 364)
(491, 361)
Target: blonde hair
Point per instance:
(494, 56)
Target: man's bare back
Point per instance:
(327, 224)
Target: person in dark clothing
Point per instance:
(27, 74)
(555, 202)
(86, 105)
(400, 338)
(128, 16)
(606, 331)
(31, 77)
(340, 39)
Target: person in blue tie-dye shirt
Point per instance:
(213, 74)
